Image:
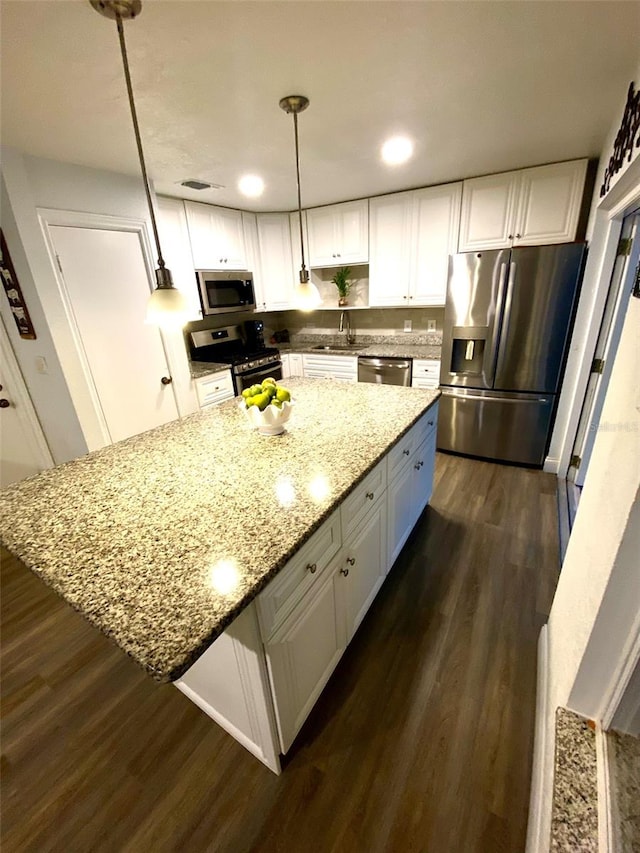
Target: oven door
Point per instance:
(255, 376)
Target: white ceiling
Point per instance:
(480, 87)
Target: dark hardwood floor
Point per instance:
(422, 740)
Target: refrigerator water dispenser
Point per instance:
(467, 355)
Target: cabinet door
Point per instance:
(217, 239)
(390, 249)
(401, 516)
(352, 233)
(303, 653)
(550, 201)
(274, 239)
(436, 219)
(366, 565)
(423, 474)
(250, 229)
(286, 370)
(295, 364)
(215, 389)
(323, 239)
(174, 236)
(488, 212)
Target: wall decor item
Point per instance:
(14, 294)
(624, 142)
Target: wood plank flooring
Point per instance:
(422, 740)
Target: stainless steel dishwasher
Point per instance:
(384, 371)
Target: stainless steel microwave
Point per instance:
(224, 291)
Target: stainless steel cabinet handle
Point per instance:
(429, 423)
(405, 452)
(370, 495)
(351, 561)
(4, 404)
(510, 237)
(417, 466)
(166, 380)
(518, 236)
(344, 572)
(312, 568)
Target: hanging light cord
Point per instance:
(295, 130)
(125, 62)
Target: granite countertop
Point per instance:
(162, 539)
(205, 368)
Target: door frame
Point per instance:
(25, 409)
(62, 322)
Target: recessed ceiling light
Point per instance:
(251, 185)
(397, 150)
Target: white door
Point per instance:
(436, 218)
(23, 449)
(390, 249)
(107, 288)
(625, 270)
(549, 205)
(488, 212)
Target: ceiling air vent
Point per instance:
(195, 184)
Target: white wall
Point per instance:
(31, 183)
(602, 244)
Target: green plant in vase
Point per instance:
(342, 283)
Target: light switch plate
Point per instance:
(431, 325)
(407, 325)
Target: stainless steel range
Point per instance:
(250, 362)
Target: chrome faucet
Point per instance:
(345, 326)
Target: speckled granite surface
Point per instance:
(162, 539)
(204, 368)
(624, 752)
(391, 350)
(574, 823)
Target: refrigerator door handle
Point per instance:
(506, 314)
(483, 397)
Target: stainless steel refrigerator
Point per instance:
(507, 322)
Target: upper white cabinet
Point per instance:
(339, 234)
(174, 237)
(412, 236)
(524, 208)
(275, 281)
(217, 237)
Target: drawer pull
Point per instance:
(370, 495)
(351, 561)
(344, 572)
(312, 567)
(421, 463)
(405, 452)
(429, 423)
(417, 466)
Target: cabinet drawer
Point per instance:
(426, 373)
(300, 574)
(215, 388)
(331, 366)
(359, 502)
(409, 442)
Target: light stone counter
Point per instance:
(162, 539)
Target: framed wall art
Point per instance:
(14, 293)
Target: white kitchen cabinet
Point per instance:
(250, 230)
(425, 373)
(339, 234)
(295, 364)
(217, 237)
(274, 240)
(522, 208)
(286, 371)
(342, 367)
(303, 653)
(400, 514)
(174, 238)
(365, 564)
(390, 249)
(435, 223)
(214, 389)
(412, 236)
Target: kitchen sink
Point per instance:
(339, 348)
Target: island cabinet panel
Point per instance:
(339, 234)
(365, 565)
(217, 236)
(302, 655)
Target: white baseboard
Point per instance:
(551, 465)
(540, 773)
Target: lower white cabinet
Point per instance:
(291, 364)
(365, 565)
(343, 367)
(214, 389)
(425, 373)
(304, 652)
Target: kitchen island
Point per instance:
(201, 530)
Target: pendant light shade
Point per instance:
(167, 307)
(306, 294)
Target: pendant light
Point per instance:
(167, 307)
(306, 295)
